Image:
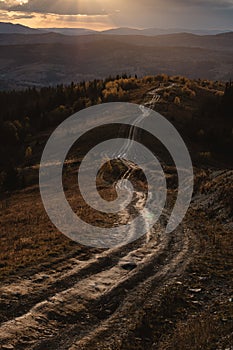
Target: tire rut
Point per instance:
(19, 297)
(111, 333)
(105, 307)
(70, 303)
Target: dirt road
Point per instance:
(81, 305)
(104, 300)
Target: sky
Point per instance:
(105, 14)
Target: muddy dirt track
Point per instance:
(93, 304)
(118, 298)
(111, 300)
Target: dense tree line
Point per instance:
(27, 113)
(227, 101)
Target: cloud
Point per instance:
(100, 7)
(79, 18)
(205, 3)
(21, 16)
(5, 5)
(152, 4)
(67, 7)
(134, 13)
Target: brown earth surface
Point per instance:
(163, 291)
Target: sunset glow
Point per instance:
(104, 14)
(53, 20)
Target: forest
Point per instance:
(201, 110)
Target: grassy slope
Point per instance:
(200, 319)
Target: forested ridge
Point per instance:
(202, 109)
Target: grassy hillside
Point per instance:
(178, 294)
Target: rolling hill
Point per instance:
(10, 28)
(58, 294)
(52, 58)
(159, 31)
(31, 57)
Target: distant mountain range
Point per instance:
(42, 58)
(69, 31)
(157, 31)
(9, 28)
(223, 41)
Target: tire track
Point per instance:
(123, 302)
(47, 316)
(26, 292)
(112, 333)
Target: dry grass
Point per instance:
(28, 238)
(209, 324)
(200, 332)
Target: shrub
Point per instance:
(177, 100)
